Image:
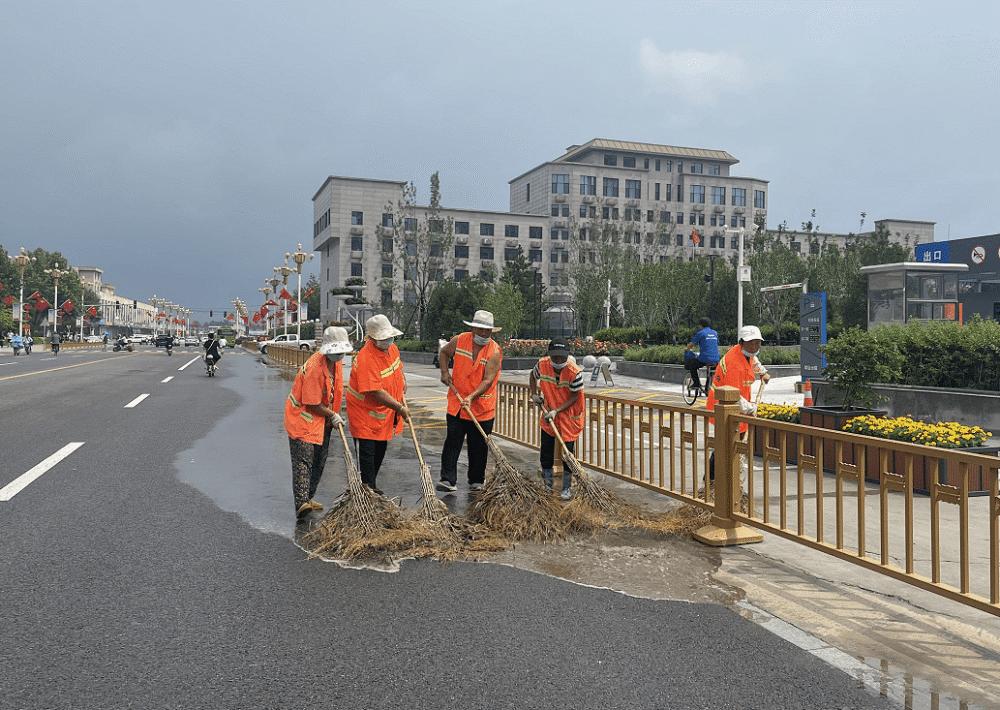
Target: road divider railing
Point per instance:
(73, 345)
(287, 356)
(802, 483)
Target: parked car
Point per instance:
(94, 339)
(291, 339)
(191, 340)
(163, 338)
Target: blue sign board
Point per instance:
(812, 334)
(932, 252)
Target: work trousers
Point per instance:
(547, 455)
(370, 455)
(464, 431)
(308, 462)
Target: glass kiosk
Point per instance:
(899, 293)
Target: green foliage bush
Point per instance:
(417, 346)
(931, 354)
(859, 358)
(674, 355)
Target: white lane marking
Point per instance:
(166, 380)
(50, 358)
(196, 357)
(4, 364)
(22, 481)
(135, 402)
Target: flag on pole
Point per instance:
(42, 305)
(92, 311)
(284, 295)
(309, 292)
(36, 294)
(292, 306)
(695, 237)
(68, 306)
(270, 302)
(256, 317)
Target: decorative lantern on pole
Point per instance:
(21, 262)
(300, 257)
(56, 273)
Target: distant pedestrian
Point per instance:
(556, 385)
(476, 360)
(312, 410)
(105, 341)
(375, 397)
(28, 342)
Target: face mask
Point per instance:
(558, 366)
(748, 354)
(384, 344)
(480, 340)
(335, 357)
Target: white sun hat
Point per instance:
(335, 341)
(482, 319)
(379, 328)
(750, 332)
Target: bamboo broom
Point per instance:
(512, 504)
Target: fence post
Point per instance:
(723, 529)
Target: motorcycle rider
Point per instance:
(17, 342)
(54, 341)
(213, 349)
(28, 342)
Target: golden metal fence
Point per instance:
(829, 490)
(287, 356)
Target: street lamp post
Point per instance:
(21, 262)
(299, 257)
(274, 281)
(266, 290)
(56, 273)
(285, 271)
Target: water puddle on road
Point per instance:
(242, 465)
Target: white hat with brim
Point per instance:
(750, 332)
(379, 328)
(482, 319)
(335, 341)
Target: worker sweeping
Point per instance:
(375, 397)
(556, 385)
(476, 370)
(739, 368)
(311, 411)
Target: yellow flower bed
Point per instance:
(779, 412)
(943, 435)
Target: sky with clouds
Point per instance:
(178, 144)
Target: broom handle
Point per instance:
(347, 449)
(413, 433)
(468, 409)
(760, 392)
(555, 430)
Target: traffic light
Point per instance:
(135, 303)
(225, 314)
(211, 314)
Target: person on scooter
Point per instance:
(213, 349)
(54, 342)
(28, 342)
(17, 342)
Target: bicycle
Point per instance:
(210, 365)
(690, 392)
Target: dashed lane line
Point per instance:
(64, 367)
(194, 359)
(135, 402)
(22, 481)
(166, 380)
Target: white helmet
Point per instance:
(750, 332)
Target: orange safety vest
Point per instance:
(467, 374)
(374, 370)
(555, 389)
(313, 385)
(733, 370)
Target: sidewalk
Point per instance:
(902, 640)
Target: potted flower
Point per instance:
(762, 435)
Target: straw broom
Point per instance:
(510, 503)
(363, 524)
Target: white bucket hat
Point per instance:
(379, 328)
(335, 341)
(482, 319)
(750, 332)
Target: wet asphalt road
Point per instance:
(122, 586)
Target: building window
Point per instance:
(560, 210)
(657, 165)
(610, 159)
(650, 216)
(714, 169)
(461, 227)
(357, 244)
(718, 195)
(510, 253)
(734, 242)
(743, 221)
(679, 240)
(527, 192)
(534, 232)
(387, 245)
(357, 218)
(511, 230)
(696, 168)
(701, 219)
(758, 199)
(486, 253)
(665, 216)
(656, 191)
(436, 250)
(628, 161)
(680, 218)
(485, 229)
(560, 183)
(535, 255)
(588, 184)
(692, 218)
(611, 187)
(386, 297)
(555, 234)
(386, 271)
(461, 251)
(698, 194)
(487, 275)
(410, 224)
(553, 257)
(355, 268)
(435, 226)
(739, 197)
(583, 210)
(387, 219)
(732, 221)
(460, 274)
(633, 189)
(645, 163)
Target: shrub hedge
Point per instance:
(674, 355)
(683, 334)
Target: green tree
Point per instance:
(506, 303)
(312, 287)
(422, 241)
(527, 281)
(776, 265)
(450, 303)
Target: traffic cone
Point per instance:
(807, 391)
